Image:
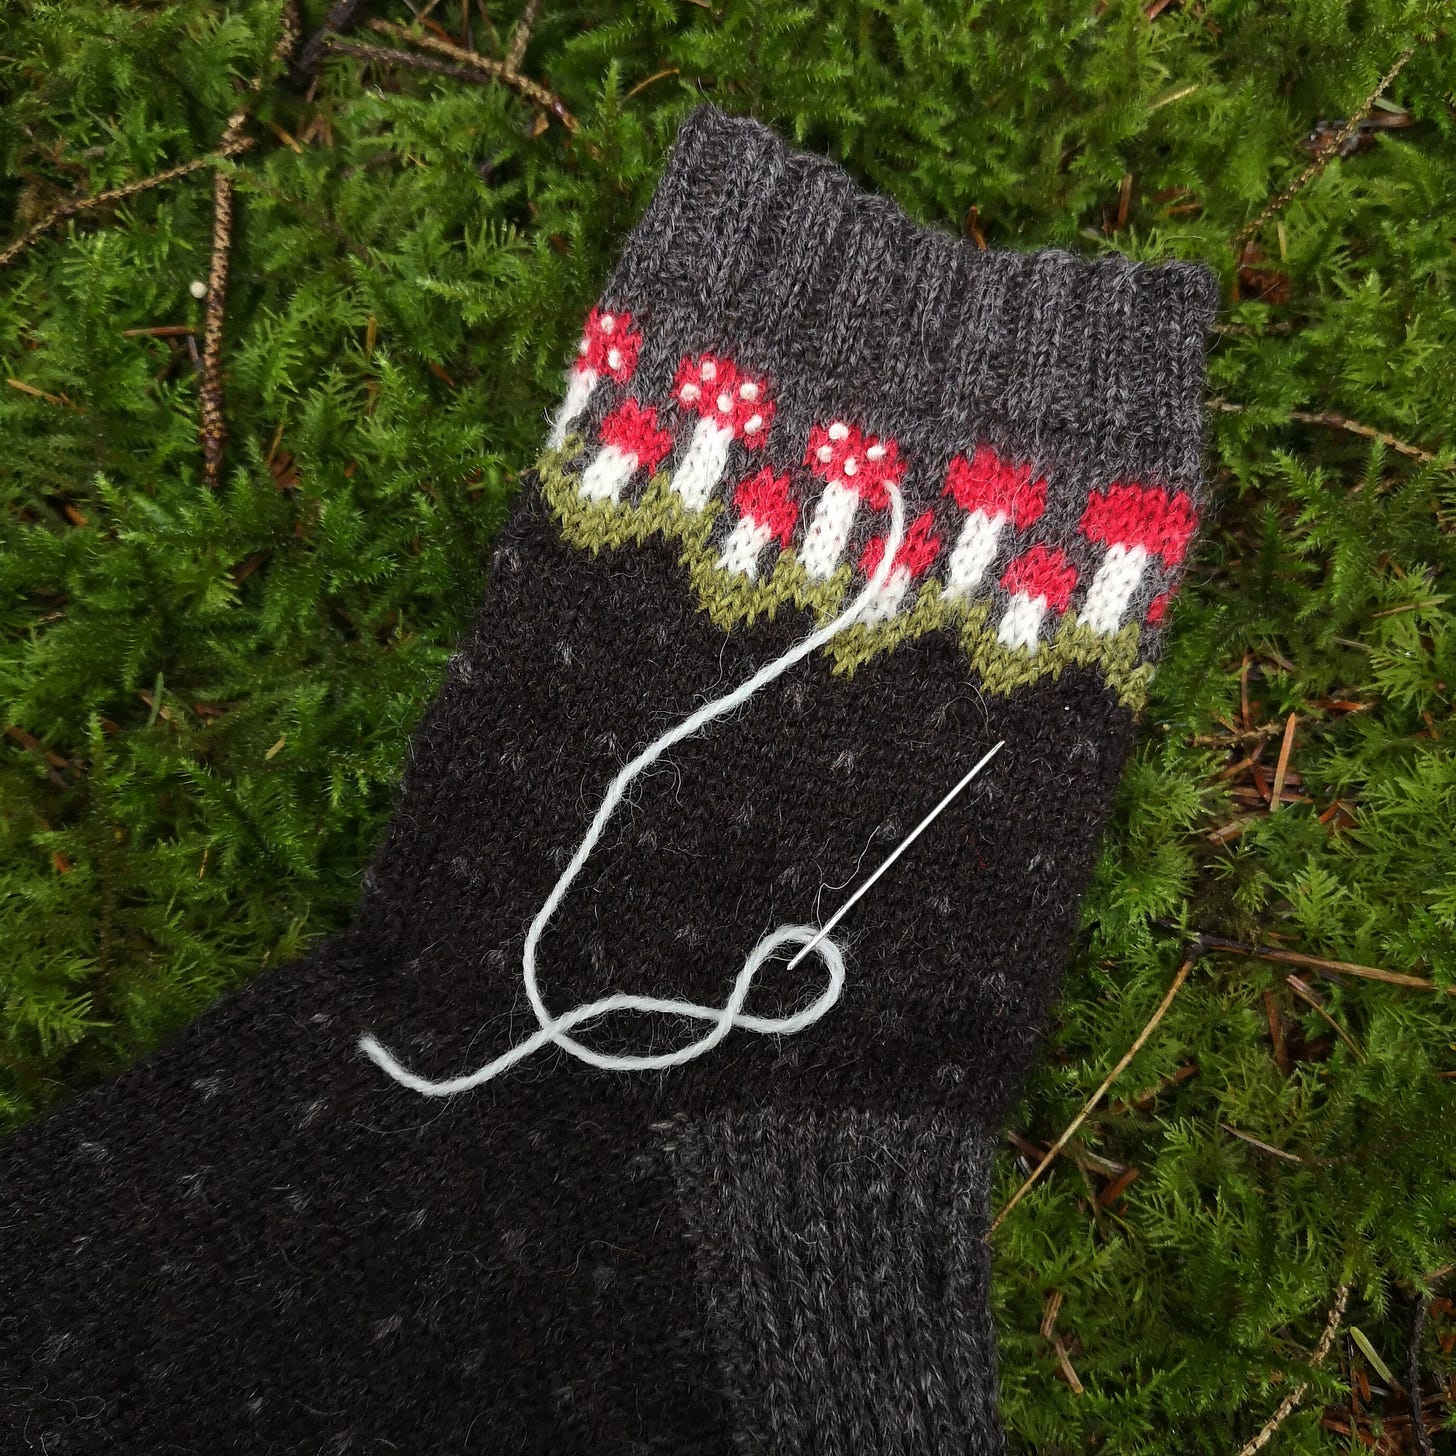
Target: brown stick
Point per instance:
(521, 35)
(76, 206)
(1316, 963)
(497, 70)
(1330, 420)
(386, 56)
(1337, 143)
(1188, 963)
(1287, 1405)
(214, 427)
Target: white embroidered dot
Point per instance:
(608, 323)
(851, 466)
(839, 430)
(725, 403)
(825, 454)
(614, 358)
(748, 391)
(875, 452)
(584, 347)
(689, 392)
(709, 369)
(753, 424)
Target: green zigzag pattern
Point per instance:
(730, 599)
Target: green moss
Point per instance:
(208, 693)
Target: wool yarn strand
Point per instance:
(557, 1029)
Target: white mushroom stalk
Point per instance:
(856, 467)
(1135, 523)
(994, 493)
(1038, 580)
(632, 441)
(767, 513)
(609, 345)
(733, 406)
(915, 557)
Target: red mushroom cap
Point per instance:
(765, 498)
(720, 391)
(988, 483)
(917, 551)
(843, 453)
(609, 345)
(1141, 515)
(634, 430)
(1042, 572)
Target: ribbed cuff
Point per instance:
(1089, 367)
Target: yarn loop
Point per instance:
(558, 1029)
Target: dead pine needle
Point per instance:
(1174, 987)
(1288, 1405)
(498, 70)
(1337, 144)
(1330, 420)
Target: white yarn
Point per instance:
(829, 530)
(702, 467)
(973, 554)
(723, 1018)
(608, 473)
(1021, 626)
(1112, 588)
(744, 546)
(578, 391)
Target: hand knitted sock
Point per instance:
(257, 1241)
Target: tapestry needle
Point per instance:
(895, 854)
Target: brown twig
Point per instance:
(387, 56)
(305, 66)
(1287, 1406)
(1276, 792)
(497, 70)
(1337, 143)
(76, 206)
(521, 35)
(214, 427)
(1330, 420)
(1189, 961)
(1314, 963)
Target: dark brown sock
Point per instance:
(257, 1241)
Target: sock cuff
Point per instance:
(775, 345)
(1090, 364)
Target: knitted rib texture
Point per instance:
(254, 1241)
(774, 346)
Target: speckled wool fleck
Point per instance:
(254, 1242)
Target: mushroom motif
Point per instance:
(632, 440)
(767, 512)
(992, 491)
(733, 405)
(1133, 522)
(609, 345)
(914, 558)
(1037, 579)
(856, 467)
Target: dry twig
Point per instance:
(497, 70)
(1287, 1406)
(1299, 958)
(1330, 420)
(1189, 961)
(521, 35)
(1337, 143)
(76, 206)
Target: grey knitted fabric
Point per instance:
(845, 1279)
(1085, 370)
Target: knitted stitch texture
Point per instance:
(254, 1241)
